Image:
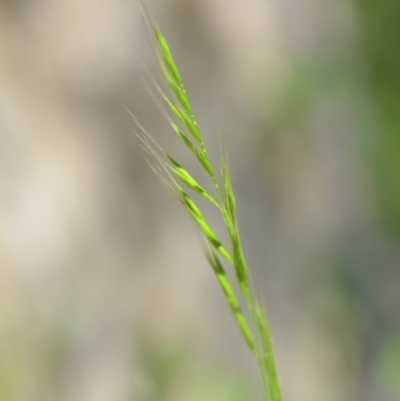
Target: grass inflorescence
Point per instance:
(178, 111)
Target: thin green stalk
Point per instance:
(179, 113)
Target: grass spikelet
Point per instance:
(203, 225)
(251, 319)
(186, 178)
(230, 296)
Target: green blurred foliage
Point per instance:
(380, 28)
(179, 372)
(388, 365)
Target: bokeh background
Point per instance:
(104, 292)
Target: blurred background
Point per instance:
(104, 292)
